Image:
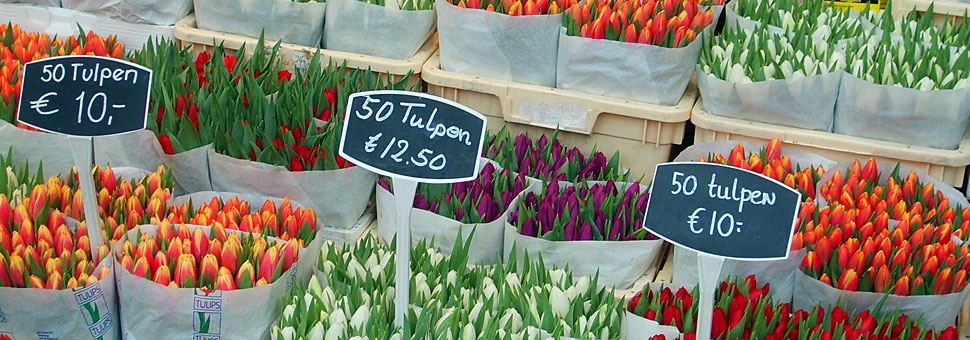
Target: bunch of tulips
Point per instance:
(449, 299)
(901, 196)
(18, 47)
(517, 7)
(912, 63)
(39, 250)
(547, 159)
(741, 56)
(283, 222)
(773, 163)
(16, 180)
(191, 257)
(859, 254)
(123, 204)
(482, 200)
(815, 19)
(744, 310)
(601, 212)
(666, 23)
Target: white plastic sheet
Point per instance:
(807, 102)
(936, 119)
(279, 20)
(152, 12)
(520, 48)
(388, 32)
(339, 197)
(641, 72)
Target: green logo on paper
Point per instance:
(207, 314)
(94, 308)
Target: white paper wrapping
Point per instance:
(639, 328)
(521, 48)
(936, 119)
(36, 147)
(619, 263)
(956, 198)
(279, 20)
(641, 72)
(387, 32)
(140, 149)
(305, 266)
(152, 12)
(807, 102)
(937, 311)
(83, 313)
(339, 197)
(53, 3)
(182, 313)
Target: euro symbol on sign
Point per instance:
(692, 220)
(42, 103)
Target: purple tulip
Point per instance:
(586, 232)
(528, 228)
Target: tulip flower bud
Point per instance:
(245, 277)
(185, 271)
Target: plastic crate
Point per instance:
(643, 133)
(296, 56)
(943, 10)
(64, 22)
(946, 165)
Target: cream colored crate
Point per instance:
(643, 133)
(946, 165)
(943, 10)
(296, 56)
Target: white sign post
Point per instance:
(411, 137)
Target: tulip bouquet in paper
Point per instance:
(909, 64)
(743, 309)
(900, 194)
(759, 75)
(666, 23)
(18, 47)
(394, 29)
(297, 22)
(548, 159)
(283, 222)
(180, 257)
(353, 296)
(640, 50)
(569, 225)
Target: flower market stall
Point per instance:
(484, 169)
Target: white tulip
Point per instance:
(468, 332)
(316, 333)
(337, 318)
(558, 276)
(926, 84)
(315, 286)
(335, 332)
(288, 312)
(512, 280)
(558, 302)
(288, 333)
(359, 320)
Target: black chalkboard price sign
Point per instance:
(413, 136)
(722, 211)
(85, 96)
